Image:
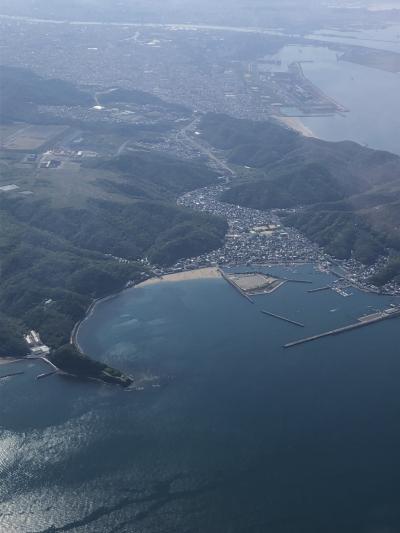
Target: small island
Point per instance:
(75, 363)
(69, 360)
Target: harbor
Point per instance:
(235, 286)
(392, 312)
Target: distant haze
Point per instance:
(246, 11)
(300, 16)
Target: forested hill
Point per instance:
(280, 156)
(350, 194)
(58, 253)
(78, 231)
(22, 90)
(155, 176)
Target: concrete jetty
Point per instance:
(45, 360)
(46, 374)
(319, 289)
(11, 374)
(292, 280)
(282, 318)
(362, 323)
(238, 289)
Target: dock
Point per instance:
(362, 323)
(292, 280)
(319, 289)
(282, 318)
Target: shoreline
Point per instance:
(75, 331)
(185, 275)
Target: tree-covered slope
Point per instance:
(76, 232)
(22, 90)
(342, 233)
(291, 185)
(279, 155)
(54, 263)
(150, 175)
(350, 195)
(47, 284)
(130, 230)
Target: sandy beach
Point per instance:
(200, 273)
(296, 124)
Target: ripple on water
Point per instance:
(246, 434)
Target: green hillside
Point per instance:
(349, 194)
(132, 230)
(149, 175)
(57, 239)
(22, 90)
(38, 267)
(58, 253)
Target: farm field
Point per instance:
(23, 137)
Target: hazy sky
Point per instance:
(239, 12)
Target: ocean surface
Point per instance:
(372, 97)
(231, 434)
(383, 38)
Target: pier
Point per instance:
(45, 360)
(238, 289)
(362, 323)
(319, 289)
(292, 280)
(46, 374)
(11, 374)
(282, 318)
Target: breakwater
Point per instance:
(319, 289)
(279, 317)
(11, 374)
(363, 322)
(236, 287)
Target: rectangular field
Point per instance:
(255, 283)
(28, 137)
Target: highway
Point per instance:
(183, 136)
